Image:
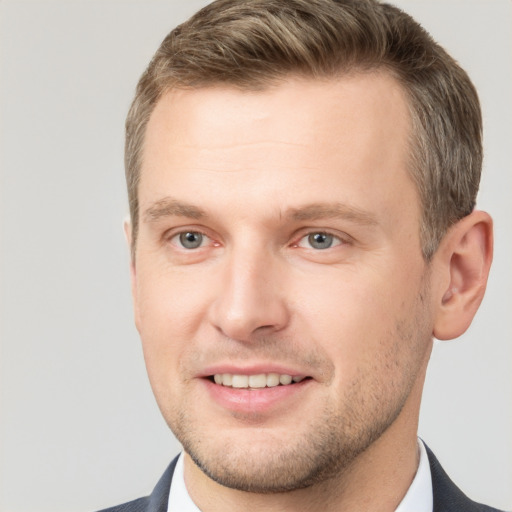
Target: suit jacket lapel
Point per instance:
(159, 498)
(447, 496)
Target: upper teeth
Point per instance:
(262, 380)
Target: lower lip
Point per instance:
(255, 401)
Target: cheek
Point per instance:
(170, 309)
(355, 317)
(169, 299)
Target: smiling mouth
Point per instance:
(259, 381)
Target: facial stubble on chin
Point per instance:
(322, 455)
(324, 449)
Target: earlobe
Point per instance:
(127, 228)
(464, 259)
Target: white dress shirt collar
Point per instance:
(179, 499)
(419, 497)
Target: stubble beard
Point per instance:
(325, 449)
(321, 454)
(329, 443)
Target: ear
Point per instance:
(128, 233)
(462, 265)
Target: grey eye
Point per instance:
(191, 239)
(320, 240)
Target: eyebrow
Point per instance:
(168, 207)
(332, 211)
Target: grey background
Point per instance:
(79, 426)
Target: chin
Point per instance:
(266, 462)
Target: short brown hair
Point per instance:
(251, 44)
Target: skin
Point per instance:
(256, 173)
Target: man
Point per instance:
(302, 178)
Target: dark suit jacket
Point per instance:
(447, 496)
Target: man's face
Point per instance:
(278, 241)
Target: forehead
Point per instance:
(346, 137)
(346, 101)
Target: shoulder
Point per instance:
(156, 501)
(139, 505)
(447, 496)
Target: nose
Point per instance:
(251, 299)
